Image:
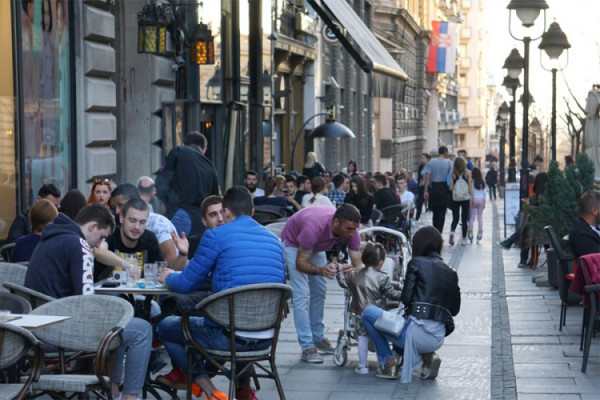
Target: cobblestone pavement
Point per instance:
(506, 344)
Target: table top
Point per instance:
(34, 321)
(160, 289)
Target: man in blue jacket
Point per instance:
(241, 252)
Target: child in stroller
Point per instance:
(366, 286)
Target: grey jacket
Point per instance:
(367, 286)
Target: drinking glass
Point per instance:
(150, 275)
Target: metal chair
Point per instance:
(276, 227)
(10, 272)
(565, 261)
(14, 303)
(15, 344)
(589, 265)
(6, 252)
(94, 327)
(34, 297)
(257, 307)
(376, 217)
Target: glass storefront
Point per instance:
(46, 95)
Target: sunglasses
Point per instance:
(102, 180)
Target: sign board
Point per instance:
(328, 35)
(512, 201)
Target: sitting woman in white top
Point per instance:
(318, 188)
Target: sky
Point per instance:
(579, 20)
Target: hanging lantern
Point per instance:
(152, 30)
(202, 48)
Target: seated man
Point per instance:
(241, 252)
(21, 226)
(585, 235)
(62, 265)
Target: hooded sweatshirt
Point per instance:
(63, 262)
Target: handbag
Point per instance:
(391, 322)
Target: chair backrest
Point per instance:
(91, 318)
(376, 217)
(276, 227)
(14, 303)
(10, 272)
(34, 297)
(250, 307)
(392, 214)
(266, 213)
(14, 344)
(6, 252)
(555, 243)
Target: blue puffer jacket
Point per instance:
(241, 252)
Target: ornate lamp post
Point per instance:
(512, 84)
(527, 11)
(554, 42)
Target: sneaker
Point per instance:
(242, 394)
(431, 366)
(218, 395)
(387, 371)
(362, 370)
(505, 244)
(324, 347)
(451, 239)
(470, 236)
(463, 241)
(479, 236)
(177, 379)
(523, 265)
(311, 356)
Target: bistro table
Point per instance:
(32, 322)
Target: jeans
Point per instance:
(169, 332)
(461, 207)
(133, 356)
(420, 199)
(182, 221)
(308, 298)
(492, 192)
(382, 339)
(438, 218)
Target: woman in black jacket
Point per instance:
(431, 296)
(491, 180)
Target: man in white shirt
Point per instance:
(405, 195)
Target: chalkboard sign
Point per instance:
(511, 203)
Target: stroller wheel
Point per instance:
(340, 355)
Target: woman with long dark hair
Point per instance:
(477, 204)
(361, 198)
(431, 296)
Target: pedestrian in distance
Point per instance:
(439, 196)
(368, 285)
(477, 204)
(491, 180)
(461, 186)
(312, 167)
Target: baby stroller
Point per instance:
(394, 267)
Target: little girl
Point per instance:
(477, 204)
(367, 286)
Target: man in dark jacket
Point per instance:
(188, 177)
(62, 265)
(585, 235)
(21, 226)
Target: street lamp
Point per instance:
(527, 11)
(202, 47)
(152, 30)
(554, 42)
(512, 84)
(330, 129)
(501, 129)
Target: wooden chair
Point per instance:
(15, 344)
(589, 266)
(94, 327)
(257, 307)
(34, 297)
(14, 273)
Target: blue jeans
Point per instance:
(382, 339)
(182, 222)
(169, 332)
(133, 356)
(308, 298)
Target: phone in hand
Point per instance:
(111, 284)
(285, 192)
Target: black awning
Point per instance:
(387, 77)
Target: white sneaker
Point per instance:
(362, 370)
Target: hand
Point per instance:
(102, 245)
(347, 268)
(181, 243)
(132, 269)
(426, 195)
(329, 270)
(162, 277)
(289, 198)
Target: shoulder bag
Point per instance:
(391, 322)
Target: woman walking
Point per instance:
(462, 192)
(312, 168)
(477, 205)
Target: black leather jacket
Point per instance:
(431, 290)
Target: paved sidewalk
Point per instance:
(506, 345)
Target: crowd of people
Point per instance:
(210, 243)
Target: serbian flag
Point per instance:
(442, 50)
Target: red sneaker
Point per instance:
(242, 393)
(178, 380)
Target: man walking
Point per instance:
(439, 195)
(306, 237)
(188, 177)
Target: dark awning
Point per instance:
(387, 77)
